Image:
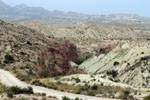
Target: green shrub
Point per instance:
(77, 98)
(116, 63)
(113, 73)
(44, 73)
(77, 80)
(40, 94)
(22, 53)
(29, 43)
(8, 59)
(43, 94)
(57, 77)
(65, 98)
(30, 72)
(18, 90)
(22, 77)
(91, 93)
(126, 92)
(59, 82)
(125, 95)
(147, 98)
(16, 46)
(94, 87)
(78, 92)
(10, 94)
(80, 60)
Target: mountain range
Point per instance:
(23, 12)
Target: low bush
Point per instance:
(57, 77)
(91, 93)
(44, 73)
(59, 82)
(125, 95)
(8, 59)
(80, 60)
(113, 73)
(40, 94)
(10, 94)
(94, 87)
(29, 43)
(78, 92)
(18, 90)
(23, 77)
(67, 98)
(77, 98)
(147, 98)
(77, 80)
(116, 63)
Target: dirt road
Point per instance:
(8, 79)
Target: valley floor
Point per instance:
(9, 80)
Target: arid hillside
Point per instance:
(30, 54)
(90, 38)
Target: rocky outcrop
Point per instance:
(56, 59)
(29, 53)
(130, 65)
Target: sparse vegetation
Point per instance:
(116, 63)
(84, 90)
(91, 93)
(29, 43)
(59, 82)
(11, 91)
(44, 73)
(94, 87)
(23, 77)
(80, 60)
(23, 46)
(67, 98)
(10, 95)
(77, 80)
(147, 98)
(18, 90)
(40, 94)
(114, 73)
(57, 77)
(125, 95)
(8, 59)
(22, 53)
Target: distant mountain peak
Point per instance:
(23, 12)
(22, 6)
(3, 5)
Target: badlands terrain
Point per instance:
(94, 67)
(55, 55)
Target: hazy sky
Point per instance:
(141, 7)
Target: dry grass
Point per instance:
(60, 86)
(80, 89)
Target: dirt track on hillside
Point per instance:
(8, 79)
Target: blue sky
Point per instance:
(141, 7)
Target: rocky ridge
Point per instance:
(127, 64)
